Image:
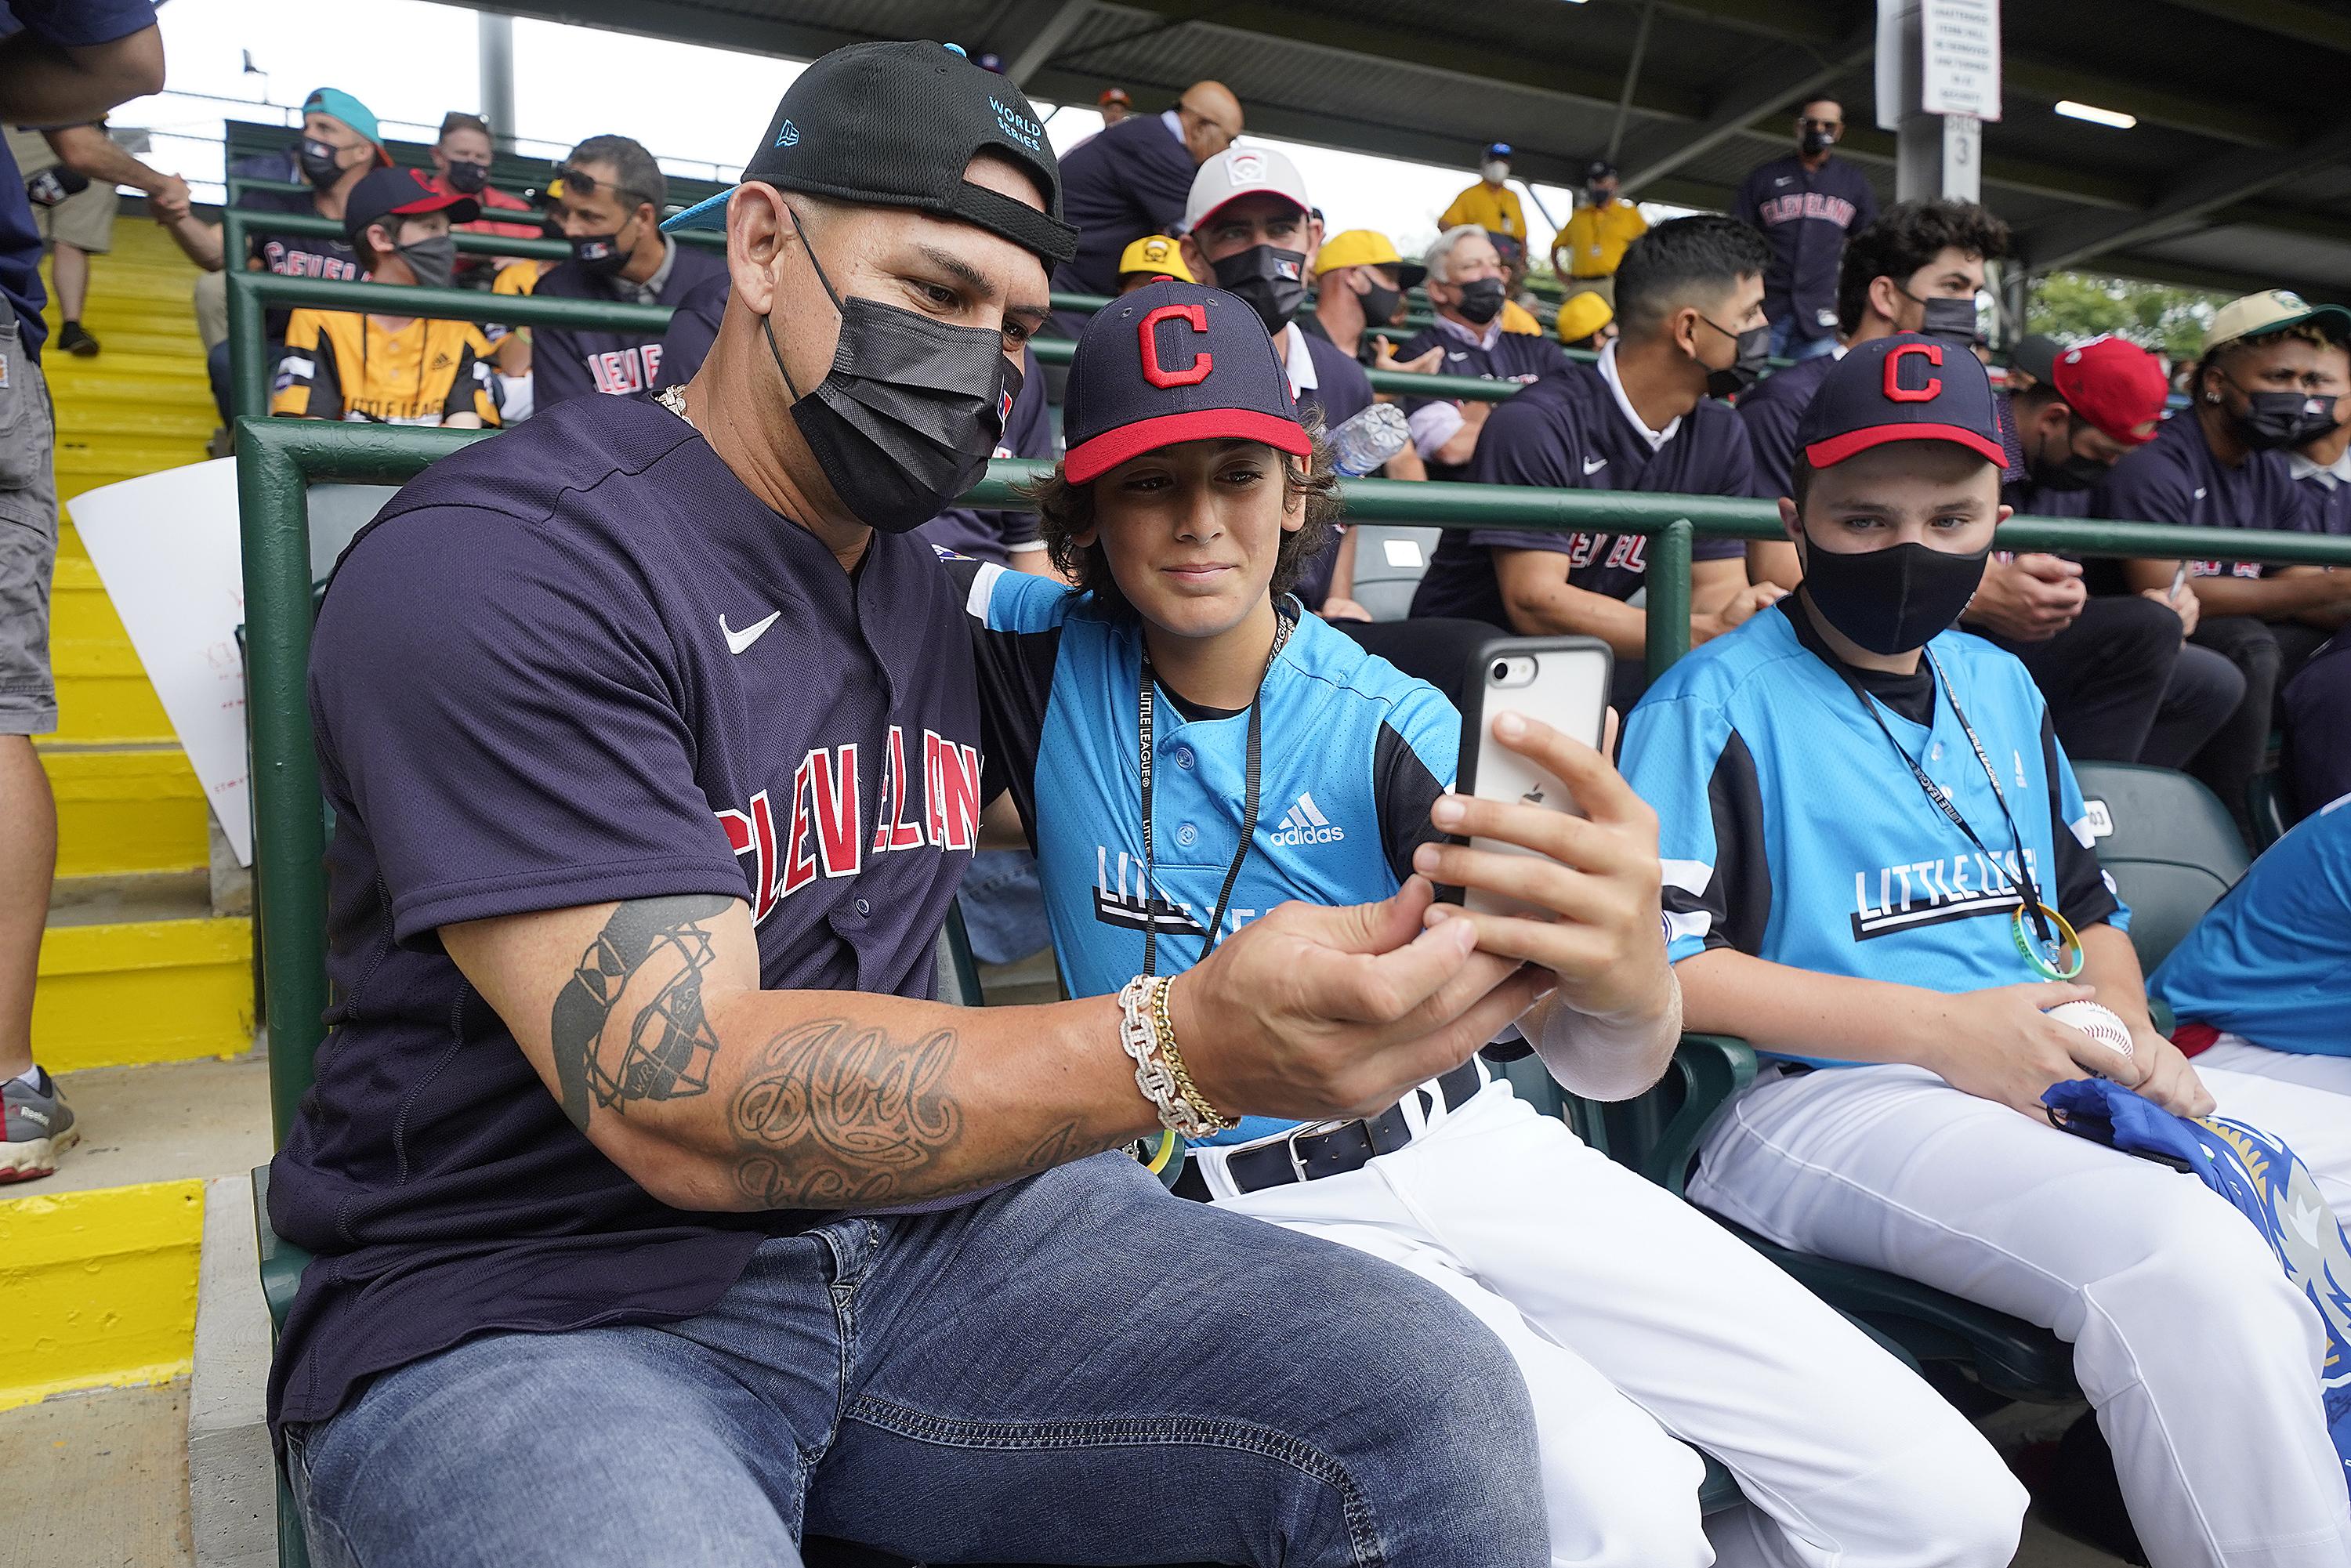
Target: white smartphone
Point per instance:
(1563, 682)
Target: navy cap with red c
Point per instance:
(1907, 387)
(1172, 362)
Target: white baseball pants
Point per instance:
(2201, 1360)
(1638, 1322)
(2234, 1055)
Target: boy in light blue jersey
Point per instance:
(1273, 759)
(1876, 867)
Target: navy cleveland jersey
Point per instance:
(1568, 431)
(2175, 478)
(1806, 213)
(1130, 181)
(1790, 830)
(1330, 389)
(1354, 755)
(567, 362)
(579, 663)
(1512, 357)
(2327, 491)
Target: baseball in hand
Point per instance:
(2099, 1023)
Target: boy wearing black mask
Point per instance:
(1690, 297)
(2258, 390)
(608, 200)
(1878, 866)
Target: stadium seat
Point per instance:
(1389, 561)
(1658, 1135)
(2168, 842)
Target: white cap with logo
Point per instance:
(1239, 171)
(2271, 310)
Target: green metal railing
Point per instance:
(278, 460)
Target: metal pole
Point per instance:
(1631, 78)
(1668, 578)
(495, 33)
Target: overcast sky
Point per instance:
(693, 107)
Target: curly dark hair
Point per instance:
(1906, 237)
(1065, 510)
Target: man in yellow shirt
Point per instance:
(392, 370)
(1585, 253)
(1490, 203)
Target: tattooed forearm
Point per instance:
(1065, 1144)
(836, 1114)
(630, 1024)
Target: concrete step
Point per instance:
(99, 1479)
(126, 810)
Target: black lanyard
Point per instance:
(1249, 804)
(1942, 797)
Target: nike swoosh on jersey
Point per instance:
(1457, 354)
(738, 640)
(1594, 465)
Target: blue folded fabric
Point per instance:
(2269, 1186)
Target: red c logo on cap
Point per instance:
(1896, 393)
(1193, 316)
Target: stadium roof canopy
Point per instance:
(2237, 175)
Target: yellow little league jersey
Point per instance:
(340, 364)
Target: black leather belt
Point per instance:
(1307, 1154)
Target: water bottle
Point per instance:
(1363, 444)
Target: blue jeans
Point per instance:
(1080, 1369)
(1786, 343)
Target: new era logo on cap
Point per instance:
(1906, 387)
(1174, 362)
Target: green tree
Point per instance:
(2076, 305)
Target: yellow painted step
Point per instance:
(126, 813)
(100, 1288)
(149, 990)
(102, 690)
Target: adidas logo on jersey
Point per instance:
(1304, 823)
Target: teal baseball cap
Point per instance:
(351, 112)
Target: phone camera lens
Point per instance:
(1501, 669)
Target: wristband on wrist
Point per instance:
(1138, 1034)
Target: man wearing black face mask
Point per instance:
(607, 202)
(374, 368)
(2222, 465)
(655, 748)
(1689, 295)
(461, 163)
(340, 145)
(1807, 204)
(1466, 284)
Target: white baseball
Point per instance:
(2099, 1023)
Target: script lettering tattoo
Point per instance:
(836, 1114)
(1063, 1144)
(630, 1025)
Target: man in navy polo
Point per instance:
(659, 1216)
(1133, 180)
(1806, 203)
(1466, 285)
(1689, 294)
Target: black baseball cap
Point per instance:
(401, 193)
(892, 125)
(1600, 169)
(1907, 387)
(1171, 362)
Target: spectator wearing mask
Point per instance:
(2317, 701)
(1359, 288)
(374, 368)
(339, 144)
(1006, 537)
(1806, 203)
(608, 198)
(1689, 300)
(2107, 664)
(1587, 323)
(1132, 180)
(1114, 106)
(1490, 203)
(1149, 259)
(2221, 463)
(1464, 284)
(460, 164)
(67, 63)
(1586, 252)
(70, 174)
(2121, 682)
